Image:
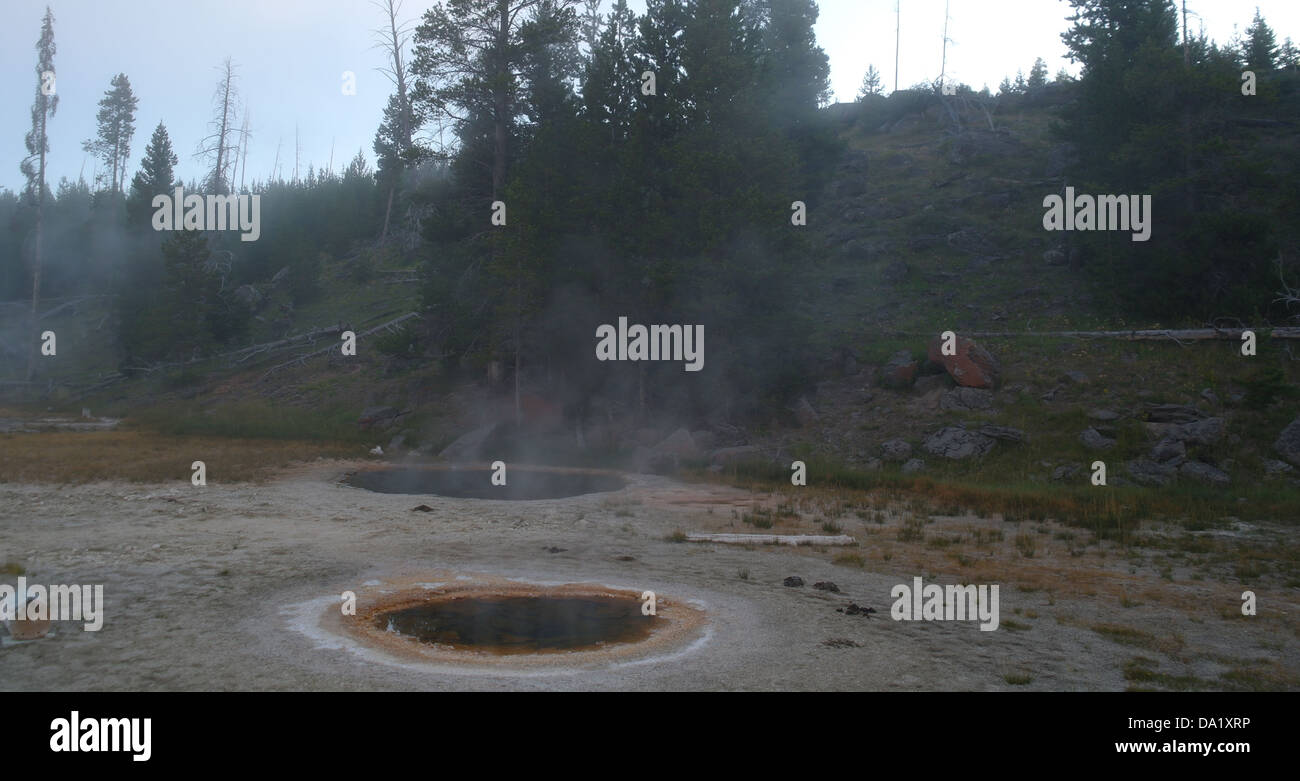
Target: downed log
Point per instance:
(83, 392)
(302, 359)
(769, 539)
(68, 304)
(1177, 335)
(310, 336)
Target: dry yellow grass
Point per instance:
(912, 538)
(139, 456)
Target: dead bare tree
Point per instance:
(33, 165)
(216, 146)
(242, 162)
(393, 40)
(275, 166)
(1287, 296)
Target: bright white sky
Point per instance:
(291, 54)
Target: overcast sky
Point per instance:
(291, 55)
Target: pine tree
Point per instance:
(1038, 74)
(871, 83)
(33, 166)
(611, 79)
(1260, 47)
(112, 143)
(191, 292)
(590, 18)
(156, 177)
(659, 42)
(1115, 39)
(467, 61)
(1288, 56)
(1209, 255)
(550, 63)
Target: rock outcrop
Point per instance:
(1288, 443)
(958, 443)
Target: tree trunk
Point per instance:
(388, 210)
(36, 286)
(221, 138)
(519, 416)
(36, 258)
(501, 101)
(640, 388)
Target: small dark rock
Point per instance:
(957, 443)
(895, 450)
(826, 585)
(1004, 433)
(931, 382)
(1274, 467)
(1204, 473)
(1199, 432)
(1093, 440)
(1169, 451)
(913, 466)
(1149, 472)
(963, 399)
(794, 581)
(1173, 413)
(1288, 442)
(1066, 472)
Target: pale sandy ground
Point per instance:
(219, 588)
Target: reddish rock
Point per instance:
(900, 372)
(537, 412)
(972, 366)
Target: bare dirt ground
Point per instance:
(224, 587)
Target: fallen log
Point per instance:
(1177, 335)
(772, 539)
(302, 359)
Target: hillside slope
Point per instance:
(932, 222)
